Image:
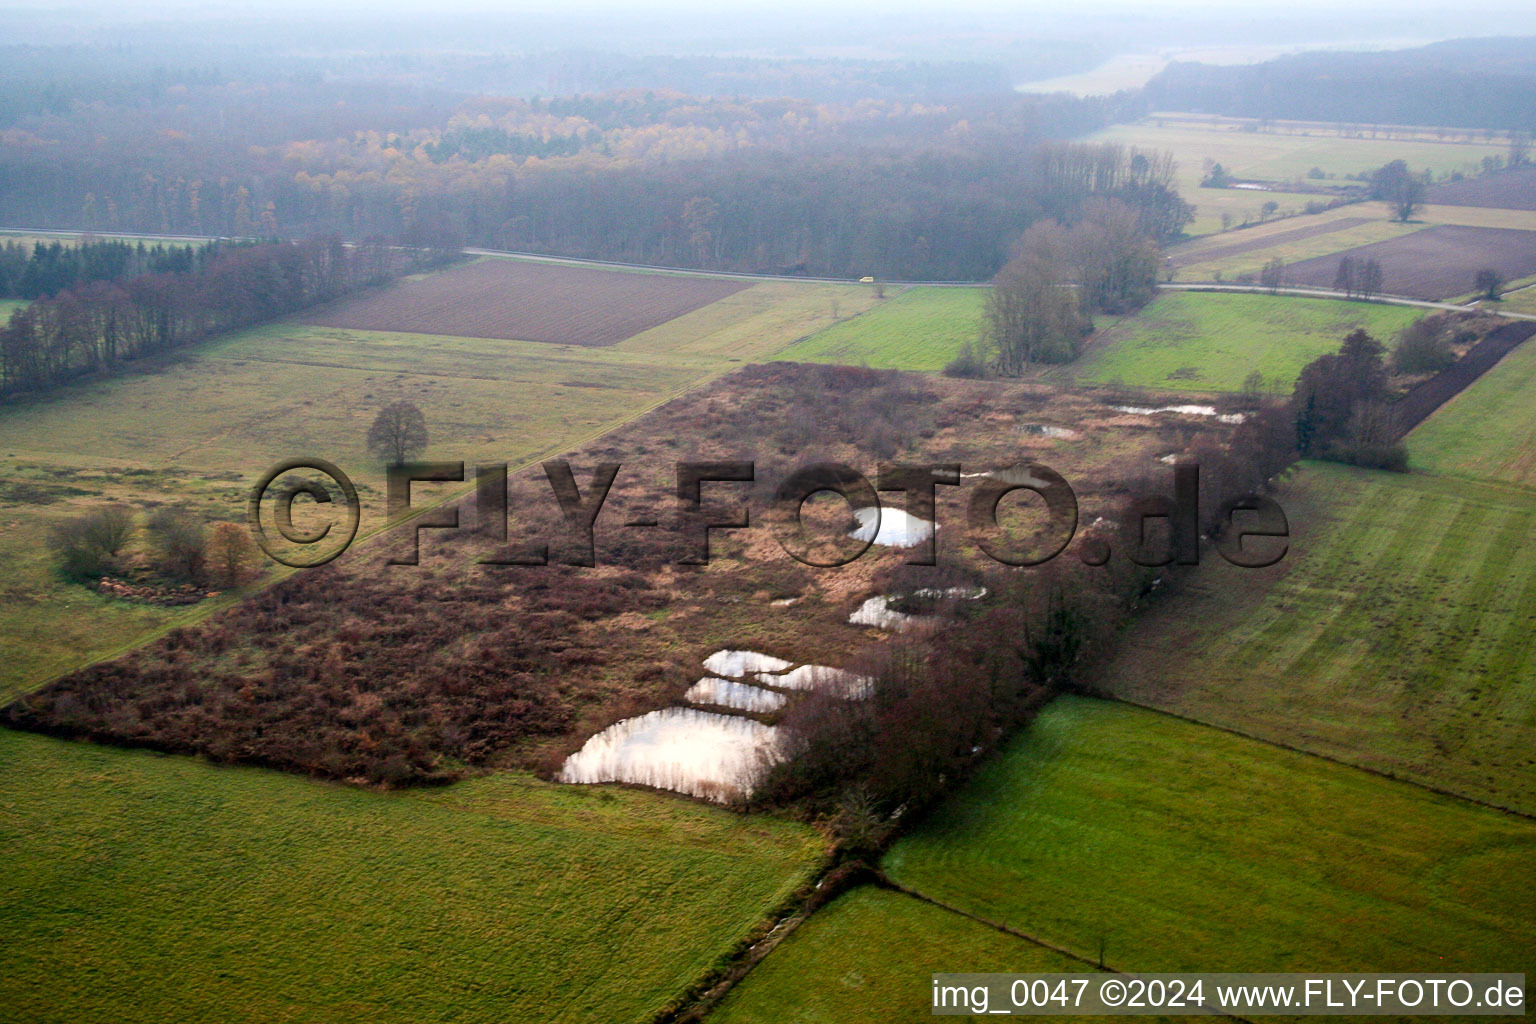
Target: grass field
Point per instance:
(867, 957)
(197, 430)
(246, 895)
(1209, 341)
(1487, 431)
(1184, 848)
(9, 306)
(920, 329)
(1284, 155)
(1522, 301)
(1397, 634)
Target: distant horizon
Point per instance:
(970, 29)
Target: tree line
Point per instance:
(95, 326)
(47, 268)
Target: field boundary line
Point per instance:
(883, 881)
(1380, 773)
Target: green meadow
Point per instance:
(1166, 845)
(1487, 431)
(237, 894)
(1397, 634)
(918, 329)
(1212, 341)
(868, 957)
(1177, 847)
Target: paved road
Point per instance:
(575, 262)
(1325, 293)
(1317, 293)
(106, 234)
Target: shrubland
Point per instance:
(415, 674)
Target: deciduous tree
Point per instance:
(1490, 283)
(399, 432)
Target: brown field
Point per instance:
(1436, 263)
(1506, 190)
(517, 300)
(1180, 257)
(395, 674)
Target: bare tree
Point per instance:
(1400, 188)
(1112, 258)
(182, 543)
(398, 432)
(90, 544)
(1273, 275)
(231, 555)
(1490, 283)
(1344, 278)
(1032, 316)
(1408, 199)
(1368, 283)
(1253, 390)
(1519, 148)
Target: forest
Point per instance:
(1462, 83)
(891, 187)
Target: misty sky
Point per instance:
(906, 28)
